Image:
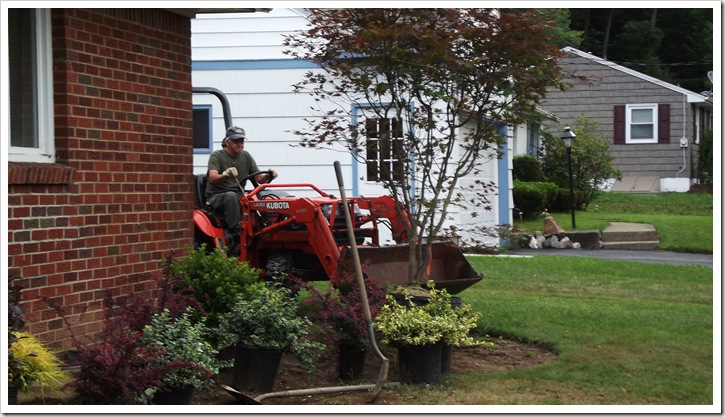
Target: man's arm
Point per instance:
(215, 177)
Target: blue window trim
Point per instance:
(252, 64)
(504, 211)
(208, 108)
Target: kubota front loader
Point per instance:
(307, 236)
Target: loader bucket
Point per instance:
(388, 265)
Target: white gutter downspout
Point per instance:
(683, 140)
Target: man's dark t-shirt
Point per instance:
(220, 160)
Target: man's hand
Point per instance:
(230, 172)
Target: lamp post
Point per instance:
(568, 138)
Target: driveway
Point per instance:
(659, 257)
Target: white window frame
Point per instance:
(533, 138)
(45, 152)
(629, 109)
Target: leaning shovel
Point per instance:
(382, 374)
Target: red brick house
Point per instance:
(99, 155)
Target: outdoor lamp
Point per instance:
(568, 138)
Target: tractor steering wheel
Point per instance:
(254, 182)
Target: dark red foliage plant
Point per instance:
(118, 368)
(341, 310)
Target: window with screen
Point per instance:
(384, 149)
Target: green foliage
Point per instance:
(412, 324)
(215, 280)
(704, 156)
(533, 198)
(35, 364)
(590, 158)
(687, 38)
(638, 43)
(182, 341)
(267, 318)
(527, 168)
(560, 29)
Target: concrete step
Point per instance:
(631, 236)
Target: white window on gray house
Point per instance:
(533, 138)
(384, 148)
(642, 123)
(202, 129)
(30, 86)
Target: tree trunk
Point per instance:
(606, 34)
(587, 37)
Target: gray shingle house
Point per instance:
(654, 128)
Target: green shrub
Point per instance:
(561, 201)
(527, 168)
(533, 198)
(267, 318)
(215, 280)
(592, 163)
(704, 157)
(182, 343)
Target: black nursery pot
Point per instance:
(351, 363)
(178, 396)
(255, 369)
(12, 396)
(420, 364)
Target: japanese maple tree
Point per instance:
(436, 86)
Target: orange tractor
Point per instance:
(307, 236)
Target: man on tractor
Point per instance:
(223, 189)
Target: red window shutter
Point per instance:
(620, 121)
(663, 123)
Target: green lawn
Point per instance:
(626, 333)
(684, 221)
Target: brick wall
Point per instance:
(118, 199)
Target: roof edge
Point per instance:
(191, 13)
(692, 97)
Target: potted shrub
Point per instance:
(30, 363)
(420, 329)
(341, 311)
(263, 325)
(193, 361)
(215, 281)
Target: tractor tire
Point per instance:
(278, 268)
(200, 239)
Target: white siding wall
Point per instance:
(241, 55)
(243, 36)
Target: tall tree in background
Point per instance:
(436, 84)
(683, 36)
(560, 27)
(638, 45)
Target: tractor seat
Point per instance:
(200, 191)
(200, 201)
